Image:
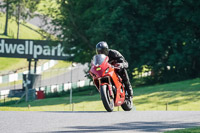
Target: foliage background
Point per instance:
(162, 35)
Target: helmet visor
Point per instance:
(102, 51)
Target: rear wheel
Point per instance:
(108, 102)
(128, 104)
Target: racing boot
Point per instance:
(129, 89)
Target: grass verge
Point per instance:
(10, 64)
(24, 33)
(188, 130)
(184, 95)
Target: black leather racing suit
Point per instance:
(116, 57)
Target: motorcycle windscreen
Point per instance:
(98, 59)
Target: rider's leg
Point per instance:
(124, 75)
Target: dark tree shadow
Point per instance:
(131, 127)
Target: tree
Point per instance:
(163, 35)
(20, 9)
(6, 23)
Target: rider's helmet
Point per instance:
(102, 48)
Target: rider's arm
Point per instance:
(118, 58)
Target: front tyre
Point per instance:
(108, 102)
(128, 104)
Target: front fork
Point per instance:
(111, 94)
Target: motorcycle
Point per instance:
(109, 84)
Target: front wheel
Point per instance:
(128, 104)
(108, 102)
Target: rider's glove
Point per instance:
(119, 65)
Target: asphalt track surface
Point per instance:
(98, 122)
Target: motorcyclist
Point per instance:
(116, 59)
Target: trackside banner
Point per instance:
(32, 49)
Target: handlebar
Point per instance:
(115, 67)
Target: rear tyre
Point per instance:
(108, 102)
(128, 104)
